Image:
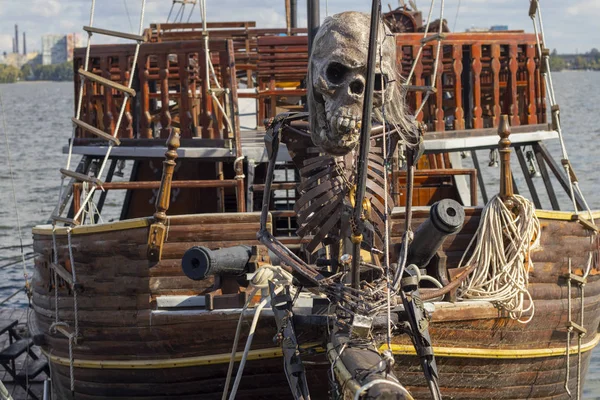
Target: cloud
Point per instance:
(45, 8)
(39, 17)
(585, 7)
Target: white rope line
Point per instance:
(55, 251)
(14, 193)
(74, 277)
(260, 281)
(81, 85)
(385, 208)
(456, 16)
(414, 65)
(236, 339)
(437, 60)
(209, 69)
(121, 112)
(502, 257)
(539, 31)
(68, 167)
(86, 206)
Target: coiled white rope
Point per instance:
(503, 243)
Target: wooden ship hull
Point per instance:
(132, 348)
(483, 354)
(147, 331)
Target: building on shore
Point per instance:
(57, 49)
(18, 60)
(494, 28)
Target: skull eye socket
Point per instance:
(336, 72)
(379, 85)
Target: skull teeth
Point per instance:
(344, 124)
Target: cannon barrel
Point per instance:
(445, 218)
(199, 262)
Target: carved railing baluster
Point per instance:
(108, 117)
(185, 116)
(158, 229)
(206, 100)
(457, 66)
(496, 109)
(146, 118)
(513, 66)
(165, 114)
(476, 66)
(127, 125)
(531, 76)
(538, 89)
(440, 121)
(89, 105)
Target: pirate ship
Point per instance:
(345, 244)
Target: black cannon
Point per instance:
(445, 218)
(200, 262)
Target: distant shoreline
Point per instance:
(32, 81)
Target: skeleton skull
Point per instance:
(337, 77)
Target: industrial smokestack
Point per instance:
(24, 44)
(16, 38)
(13, 45)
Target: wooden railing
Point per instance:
(244, 35)
(172, 90)
(480, 77)
(100, 107)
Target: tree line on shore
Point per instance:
(54, 72)
(586, 61)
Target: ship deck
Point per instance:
(253, 144)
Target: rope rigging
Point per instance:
(88, 208)
(535, 13)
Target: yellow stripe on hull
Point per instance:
(462, 352)
(275, 352)
(261, 354)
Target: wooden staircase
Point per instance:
(33, 365)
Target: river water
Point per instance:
(37, 117)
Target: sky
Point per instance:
(571, 25)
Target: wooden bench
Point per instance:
(432, 185)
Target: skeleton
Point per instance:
(336, 83)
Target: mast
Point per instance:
(314, 21)
(365, 137)
(294, 13)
